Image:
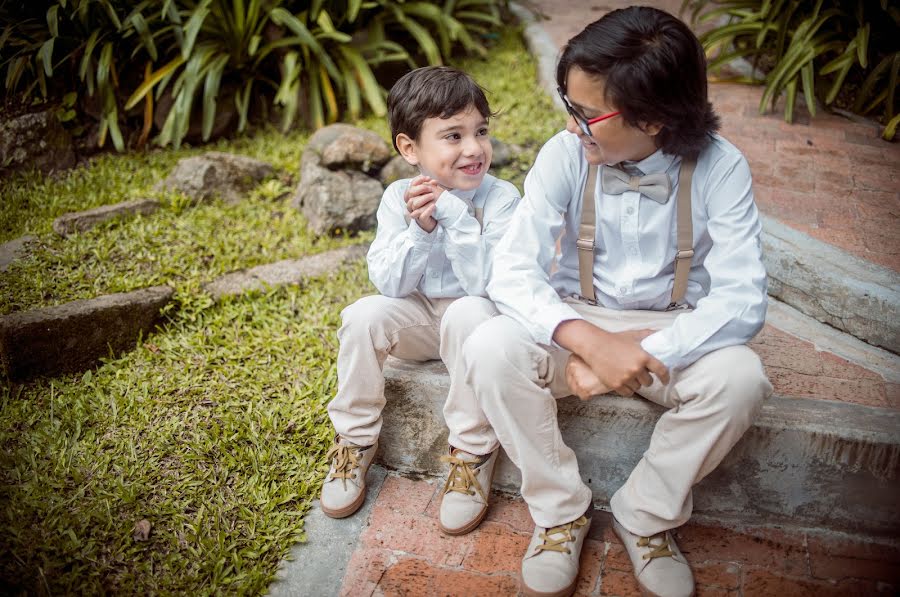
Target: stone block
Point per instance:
(288, 271)
(85, 220)
(831, 286)
(805, 462)
(73, 336)
(14, 249)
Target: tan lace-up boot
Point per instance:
(660, 568)
(344, 489)
(464, 501)
(550, 567)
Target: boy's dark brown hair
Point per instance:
(429, 92)
(654, 72)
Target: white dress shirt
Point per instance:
(454, 259)
(635, 251)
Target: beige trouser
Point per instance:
(711, 403)
(415, 328)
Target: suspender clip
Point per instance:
(685, 254)
(587, 244)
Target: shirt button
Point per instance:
(622, 289)
(434, 274)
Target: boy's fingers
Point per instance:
(657, 368)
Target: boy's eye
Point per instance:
(483, 131)
(453, 136)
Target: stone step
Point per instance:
(820, 463)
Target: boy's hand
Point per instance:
(421, 200)
(617, 359)
(582, 380)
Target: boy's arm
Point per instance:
(399, 253)
(469, 248)
(735, 308)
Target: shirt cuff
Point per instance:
(448, 207)
(549, 319)
(419, 235)
(659, 347)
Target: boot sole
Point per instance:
(529, 592)
(477, 521)
(346, 510)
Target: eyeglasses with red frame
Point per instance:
(583, 123)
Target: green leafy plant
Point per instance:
(44, 51)
(826, 48)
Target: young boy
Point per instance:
(430, 261)
(659, 286)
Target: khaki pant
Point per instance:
(414, 328)
(711, 404)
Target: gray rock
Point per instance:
(73, 336)
(502, 155)
(288, 271)
(35, 140)
(396, 169)
(335, 200)
(12, 250)
(345, 147)
(216, 174)
(85, 220)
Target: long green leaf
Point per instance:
(45, 56)
(807, 75)
(211, 86)
(425, 41)
(152, 80)
(891, 129)
(370, 88)
(790, 100)
(53, 20)
(192, 28)
(865, 90)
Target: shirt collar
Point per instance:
(655, 162)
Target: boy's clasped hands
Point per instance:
(421, 200)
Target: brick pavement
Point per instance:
(402, 552)
(826, 176)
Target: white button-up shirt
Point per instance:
(452, 260)
(635, 250)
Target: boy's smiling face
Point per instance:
(455, 151)
(612, 140)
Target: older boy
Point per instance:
(431, 262)
(659, 286)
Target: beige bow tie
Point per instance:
(654, 186)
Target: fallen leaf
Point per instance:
(151, 347)
(141, 530)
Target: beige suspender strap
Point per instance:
(685, 228)
(585, 242)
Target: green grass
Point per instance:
(214, 428)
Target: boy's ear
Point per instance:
(407, 148)
(651, 129)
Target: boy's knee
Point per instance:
(496, 347)
(466, 314)
(364, 316)
(740, 385)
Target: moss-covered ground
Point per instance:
(214, 428)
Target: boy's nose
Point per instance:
(472, 147)
(572, 126)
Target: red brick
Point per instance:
(496, 548)
(705, 591)
(591, 565)
(618, 583)
(723, 575)
(405, 495)
(775, 549)
(510, 511)
(414, 535)
(760, 582)
(835, 557)
(408, 577)
(470, 584)
(892, 391)
(364, 570)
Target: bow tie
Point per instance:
(654, 186)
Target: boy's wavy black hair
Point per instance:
(654, 71)
(429, 92)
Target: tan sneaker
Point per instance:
(344, 489)
(464, 501)
(550, 566)
(660, 568)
